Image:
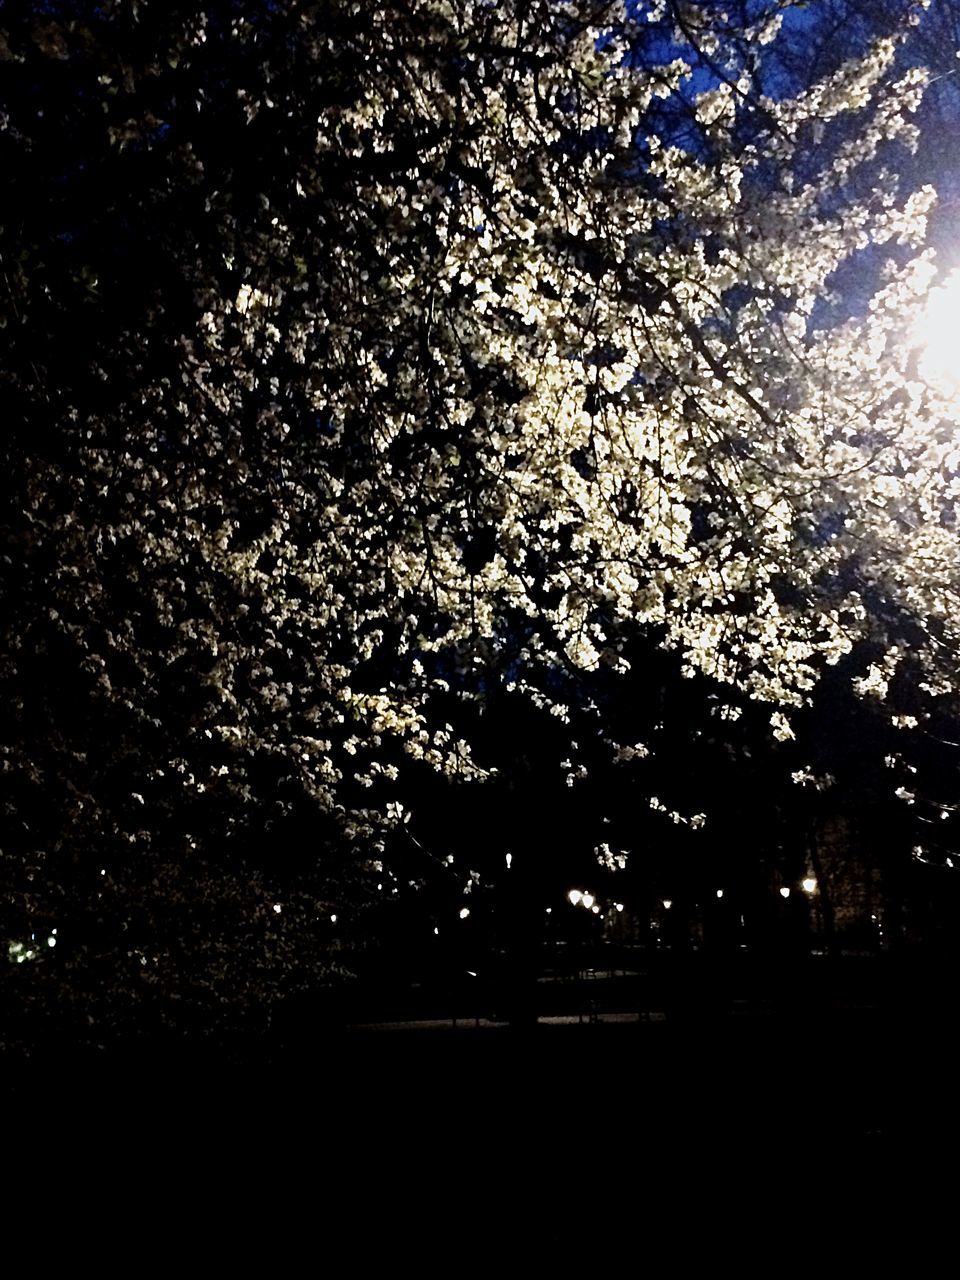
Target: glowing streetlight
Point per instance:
(936, 335)
(808, 884)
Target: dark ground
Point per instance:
(839, 1100)
(608, 1141)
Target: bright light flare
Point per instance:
(938, 336)
(809, 885)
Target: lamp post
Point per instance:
(809, 886)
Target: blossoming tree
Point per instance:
(364, 360)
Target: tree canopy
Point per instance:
(364, 363)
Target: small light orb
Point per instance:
(333, 919)
(464, 912)
(575, 897)
(277, 907)
(784, 892)
(719, 893)
(588, 899)
(667, 904)
(509, 860)
(618, 905)
(809, 884)
(51, 941)
(595, 909)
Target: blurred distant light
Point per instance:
(277, 907)
(549, 910)
(667, 904)
(595, 909)
(575, 897)
(51, 941)
(333, 919)
(719, 893)
(436, 932)
(809, 884)
(784, 892)
(509, 860)
(588, 899)
(618, 905)
(464, 912)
